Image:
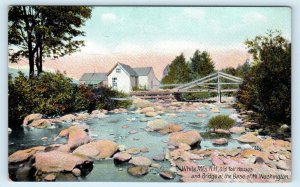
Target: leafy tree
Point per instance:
(220, 122)
(243, 70)
(201, 64)
(268, 85)
(179, 71)
(38, 31)
(231, 71)
(240, 70)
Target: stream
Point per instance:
(116, 127)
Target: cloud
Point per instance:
(129, 48)
(94, 48)
(194, 13)
(109, 18)
(253, 17)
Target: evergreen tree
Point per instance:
(179, 71)
(201, 64)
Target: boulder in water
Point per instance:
(147, 109)
(28, 119)
(98, 149)
(201, 115)
(141, 103)
(167, 174)
(140, 161)
(151, 114)
(68, 118)
(77, 138)
(65, 132)
(171, 128)
(190, 137)
(122, 157)
(133, 151)
(248, 138)
(56, 161)
(284, 165)
(76, 172)
(137, 170)
(40, 123)
(220, 141)
(157, 124)
(50, 177)
(237, 130)
(23, 155)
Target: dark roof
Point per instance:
(142, 71)
(129, 69)
(93, 78)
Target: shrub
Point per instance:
(55, 94)
(104, 95)
(221, 122)
(198, 95)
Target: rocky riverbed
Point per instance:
(151, 141)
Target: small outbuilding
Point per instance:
(94, 79)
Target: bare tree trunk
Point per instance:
(30, 49)
(31, 65)
(40, 70)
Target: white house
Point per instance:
(124, 78)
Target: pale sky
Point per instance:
(176, 29)
(154, 36)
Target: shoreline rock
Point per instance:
(190, 138)
(97, 150)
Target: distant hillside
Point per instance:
(14, 73)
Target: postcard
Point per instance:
(149, 94)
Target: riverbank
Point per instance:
(151, 141)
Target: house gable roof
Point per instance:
(142, 71)
(93, 78)
(129, 69)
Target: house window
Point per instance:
(118, 70)
(114, 82)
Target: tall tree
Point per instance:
(269, 78)
(201, 64)
(179, 71)
(38, 31)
